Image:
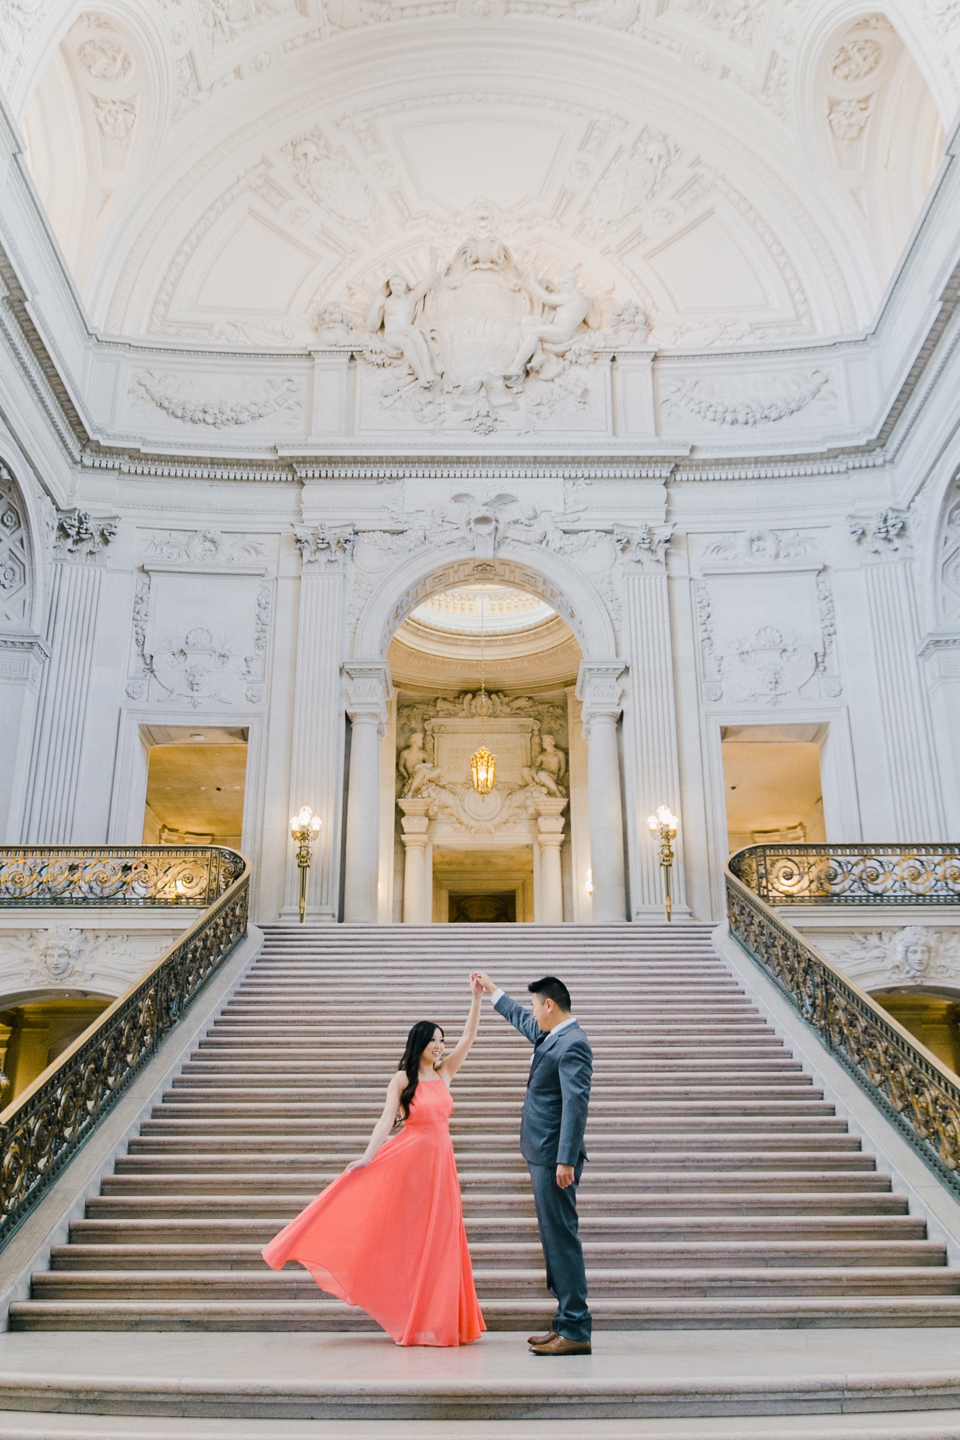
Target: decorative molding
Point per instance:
(786, 396)
(203, 547)
(367, 689)
(761, 546)
(270, 397)
(16, 589)
(23, 659)
(883, 533)
(326, 547)
(644, 549)
(82, 536)
(201, 666)
(906, 955)
(600, 690)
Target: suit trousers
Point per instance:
(566, 1277)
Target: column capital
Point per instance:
(367, 689)
(599, 690)
(83, 537)
(324, 547)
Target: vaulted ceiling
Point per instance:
(247, 172)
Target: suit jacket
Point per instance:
(558, 1090)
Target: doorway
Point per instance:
(34, 1032)
(772, 784)
(483, 886)
(196, 782)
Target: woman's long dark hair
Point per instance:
(417, 1041)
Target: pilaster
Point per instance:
(317, 746)
(79, 548)
(915, 789)
(650, 722)
(367, 688)
(599, 689)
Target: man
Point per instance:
(551, 1141)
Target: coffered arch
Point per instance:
(538, 572)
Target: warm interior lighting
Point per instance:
(304, 827)
(483, 765)
(484, 768)
(663, 818)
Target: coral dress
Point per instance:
(390, 1237)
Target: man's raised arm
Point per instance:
(520, 1018)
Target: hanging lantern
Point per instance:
(484, 767)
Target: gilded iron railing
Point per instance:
(46, 875)
(851, 874)
(43, 1128)
(903, 1078)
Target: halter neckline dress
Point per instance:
(390, 1237)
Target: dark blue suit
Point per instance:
(551, 1134)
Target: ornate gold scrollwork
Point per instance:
(56, 1113)
(899, 1073)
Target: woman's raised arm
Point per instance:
(388, 1118)
(461, 1050)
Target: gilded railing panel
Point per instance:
(42, 1130)
(900, 1075)
(45, 875)
(851, 874)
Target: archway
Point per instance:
(417, 716)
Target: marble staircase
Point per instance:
(722, 1189)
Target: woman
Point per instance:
(388, 1234)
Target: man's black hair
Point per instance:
(550, 988)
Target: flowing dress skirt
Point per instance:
(390, 1237)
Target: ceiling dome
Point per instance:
(719, 171)
(489, 609)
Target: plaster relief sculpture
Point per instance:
(81, 536)
(482, 344)
(105, 58)
(415, 768)
(393, 312)
(116, 118)
(884, 533)
(15, 588)
(761, 546)
(767, 405)
(909, 955)
(269, 397)
(949, 558)
(530, 772)
(203, 547)
(547, 769)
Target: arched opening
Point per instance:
(486, 663)
(35, 1029)
(931, 1014)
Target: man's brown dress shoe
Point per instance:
(561, 1346)
(542, 1339)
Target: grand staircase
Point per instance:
(722, 1189)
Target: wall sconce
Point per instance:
(664, 827)
(304, 827)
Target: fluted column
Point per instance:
(599, 690)
(317, 741)
(650, 718)
(367, 689)
(548, 899)
(911, 766)
(414, 826)
(52, 818)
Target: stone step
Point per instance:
(683, 1313)
(600, 1254)
(511, 1283)
(216, 1180)
(897, 1227)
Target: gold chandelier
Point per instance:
(483, 765)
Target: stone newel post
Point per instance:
(599, 691)
(367, 691)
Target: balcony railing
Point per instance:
(45, 1126)
(908, 1083)
(851, 874)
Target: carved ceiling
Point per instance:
(249, 172)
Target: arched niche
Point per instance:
(947, 558)
(878, 131)
(424, 574)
